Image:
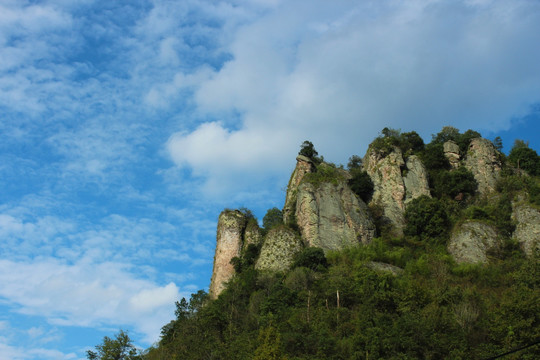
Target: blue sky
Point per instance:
(127, 126)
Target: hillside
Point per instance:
(415, 251)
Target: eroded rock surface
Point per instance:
(471, 241)
(484, 162)
(451, 151)
(304, 166)
(331, 216)
(280, 246)
(231, 224)
(527, 231)
(389, 188)
(416, 179)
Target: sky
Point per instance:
(128, 126)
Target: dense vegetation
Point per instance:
(342, 306)
(435, 309)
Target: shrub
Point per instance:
(355, 162)
(433, 157)
(523, 157)
(324, 174)
(361, 184)
(312, 258)
(453, 183)
(273, 218)
(427, 219)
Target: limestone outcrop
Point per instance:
(321, 210)
(471, 241)
(527, 231)
(396, 182)
(416, 179)
(451, 151)
(389, 189)
(484, 162)
(331, 216)
(280, 246)
(304, 166)
(235, 231)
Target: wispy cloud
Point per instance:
(87, 294)
(127, 127)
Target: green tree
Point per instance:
(361, 184)
(433, 157)
(270, 344)
(498, 143)
(446, 134)
(312, 258)
(308, 150)
(523, 157)
(391, 133)
(426, 218)
(412, 141)
(453, 183)
(273, 217)
(355, 162)
(119, 348)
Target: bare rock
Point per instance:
(527, 231)
(332, 217)
(416, 179)
(451, 151)
(231, 224)
(484, 162)
(278, 250)
(389, 188)
(304, 166)
(471, 241)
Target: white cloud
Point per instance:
(87, 294)
(337, 73)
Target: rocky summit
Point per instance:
(399, 189)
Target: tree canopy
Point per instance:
(119, 348)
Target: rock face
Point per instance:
(471, 241)
(392, 190)
(451, 151)
(389, 189)
(230, 239)
(484, 162)
(304, 166)
(331, 216)
(278, 250)
(527, 231)
(416, 180)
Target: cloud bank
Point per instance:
(337, 73)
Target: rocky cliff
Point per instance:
(331, 216)
(234, 233)
(278, 250)
(396, 181)
(484, 161)
(321, 209)
(304, 166)
(472, 241)
(527, 233)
